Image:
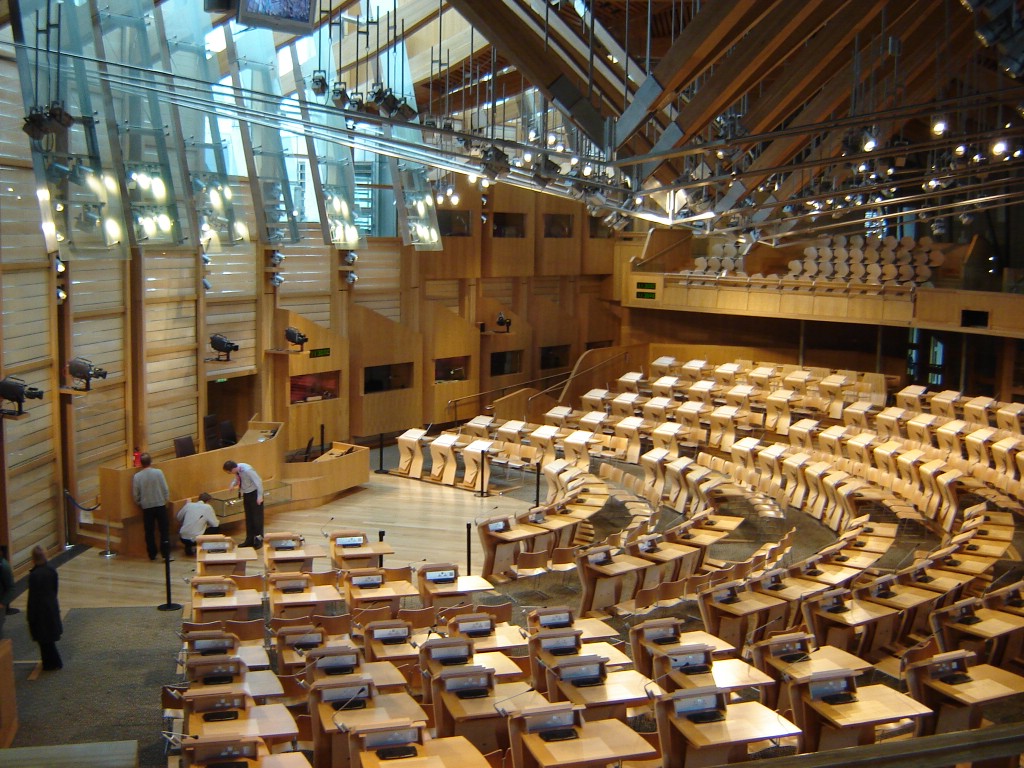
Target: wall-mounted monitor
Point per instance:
(294, 16)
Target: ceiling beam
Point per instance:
(520, 44)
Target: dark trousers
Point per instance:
(190, 546)
(253, 519)
(157, 515)
(50, 656)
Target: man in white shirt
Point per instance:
(250, 485)
(196, 518)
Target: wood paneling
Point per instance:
(380, 278)
(33, 508)
(307, 271)
(448, 335)
(27, 311)
(558, 255)
(510, 256)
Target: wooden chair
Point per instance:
(419, 617)
(366, 615)
(254, 581)
(336, 625)
(172, 704)
(251, 630)
(279, 622)
(502, 612)
(529, 564)
(296, 692)
(324, 578)
(200, 626)
(400, 573)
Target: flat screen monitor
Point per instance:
(499, 526)
(295, 16)
(555, 620)
(348, 541)
(683, 705)
(564, 718)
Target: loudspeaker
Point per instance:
(220, 6)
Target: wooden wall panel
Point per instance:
(30, 439)
(27, 310)
(33, 508)
(237, 321)
(170, 276)
(307, 271)
(380, 278)
(97, 284)
(100, 429)
(170, 324)
(13, 143)
(22, 233)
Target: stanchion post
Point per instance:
(536, 501)
(380, 558)
(380, 455)
(165, 545)
(469, 549)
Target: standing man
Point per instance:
(250, 485)
(196, 518)
(149, 489)
(43, 611)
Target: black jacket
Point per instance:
(43, 611)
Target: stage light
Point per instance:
(223, 347)
(870, 141)
(351, 278)
(350, 258)
(939, 125)
(83, 370)
(62, 295)
(388, 104)
(17, 391)
(319, 82)
(405, 110)
(59, 266)
(37, 124)
(339, 95)
(207, 285)
(277, 279)
(59, 117)
(376, 94)
(494, 161)
(276, 258)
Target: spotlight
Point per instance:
(999, 147)
(870, 141)
(295, 336)
(495, 161)
(207, 285)
(939, 125)
(276, 258)
(504, 322)
(83, 370)
(198, 185)
(62, 295)
(17, 391)
(339, 95)
(350, 258)
(57, 172)
(206, 260)
(319, 82)
(277, 279)
(376, 94)
(59, 266)
(995, 31)
(351, 278)
(223, 347)
(37, 124)
(388, 104)
(405, 111)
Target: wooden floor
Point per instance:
(422, 521)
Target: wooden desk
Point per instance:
(298, 559)
(621, 689)
(1004, 631)
(271, 722)
(305, 603)
(959, 707)
(600, 743)
(689, 745)
(606, 585)
(366, 556)
(233, 606)
(833, 574)
(841, 629)
(461, 589)
(480, 720)
(506, 637)
(330, 727)
(390, 592)
(8, 701)
(854, 724)
(616, 658)
(735, 622)
(233, 561)
(387, 678)
(448, 752)
(725, 674)
(259, 684)
(505, 669)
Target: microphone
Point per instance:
(750, 635)
(656, 681)
(442, 614)
(501, 710)
(361, 691)
(431, 630)
(323, 529)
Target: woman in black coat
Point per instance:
(43, 610)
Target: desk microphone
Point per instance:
(501, 710)
(656, 681)
(323, 529)
(361, 691)
(442, 614)
(750, 635)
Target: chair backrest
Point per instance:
(227, 433)
(401, 573)
(201, 626)
(419, 617)
(340, 624)
(251, 581)
(210, 435)
(277, 622)
(309, 450)
(366, 615)
(324, 578)
(184, 446)
(502, 612)
(253, 629)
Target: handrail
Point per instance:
(454, 402)
(920, 752)
(574, 374)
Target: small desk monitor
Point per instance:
(290, 583)
(692, 659)
(583, 671)
(215, 543)
(349, 541)
(791, 648)
(550, 618)
(950, 668)
(726, 594)
(600, 556)
(700, 705)
(554, 723)
(837, 686)
(389, 632)
(211, 642)
(283, 542)
(214, 670)
(334, 659)
(366, 578)
(772, 581)
(301, 638)
(647, 544)
(882, 588)
(391, 740)
(499, 524)
(537, 515)
(439, 574)
(472, 625)
(560, 642)
(215, 706)
(661, 631)
(449, 651)
(963, 612)
(834, 601)
(945, 556)
(213, 586)
(468, 682)
(206, 751)
(345, 695)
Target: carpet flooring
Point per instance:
(115, 660)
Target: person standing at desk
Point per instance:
(149, 489)
(250, 484)
(196, 518)
(43, 612)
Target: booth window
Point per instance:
(506, 363)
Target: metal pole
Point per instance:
(536, 501)
(469, 549)
(380, 558)
(168, 606)
(380, 456)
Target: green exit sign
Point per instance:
(322, 352)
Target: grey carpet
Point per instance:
(115, 660)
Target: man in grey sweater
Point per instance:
(149, 489)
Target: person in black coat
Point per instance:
(43, 612)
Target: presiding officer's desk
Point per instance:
(331, 726)
(686, 742)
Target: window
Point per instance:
(451, 368)
(506, 363)
(310, 387)
(453, 223)
(509, 225)
(384, 378)
(557, 225)
(554, 357)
